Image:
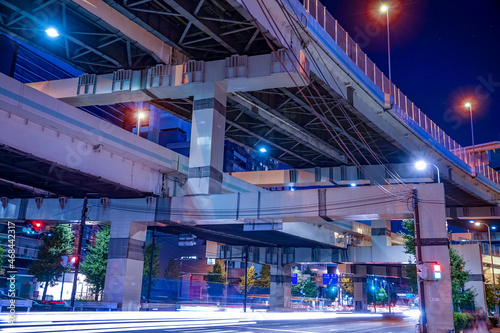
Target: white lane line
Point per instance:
(280, 330)
(127, 327)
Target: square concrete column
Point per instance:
(281, 288)
(206, 153)
(360, 296)
(474, 264)
(125, 264)
(434, 241)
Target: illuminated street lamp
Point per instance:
(469, 105)
(422, 165)
(52, 32)
(140, 115)
(477, 224)
(384, 9)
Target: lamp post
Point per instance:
(422, 165)
(469, 105)
(477, 224)
(140, 115)
(384, 9)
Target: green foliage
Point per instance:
(411, 273)
(172, 271)
(409, 236)
(304, 287)
(2, 256)
(378, 295)
(462, 298)
(490, 296)
(251, 279)
(156, 260)
(217, 279)
(173, 274)
(47, 268)
(347, 285)
(493, 321)
(462, 320)
(96, 261)
(264, 279)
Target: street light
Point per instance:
(140, 115)
(477, 224)
(469, 105)
(384, 9)
(422, 165)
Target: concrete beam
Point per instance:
(255, 108)
(239, 73)
(35, 123)
(129, 28)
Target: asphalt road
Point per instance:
(227, 325)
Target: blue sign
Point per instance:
(294, 278)
(330, 279)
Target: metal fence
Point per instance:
(411, 112)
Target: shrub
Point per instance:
(462, 320)
(493, 321)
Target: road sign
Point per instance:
(294, 278)
(330, 279)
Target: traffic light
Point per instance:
(437, 271)
(37, 225)
(72, 262)
(429, 271)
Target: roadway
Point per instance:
(220, 322)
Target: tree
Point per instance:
(251, 279)
(47, 268)
(217, 279)
(156, 265)
(173, 275)
(304, 287)
(2, 256)
(147, 260)
(347, 285)
(172, 271)
(490, 296)
(96, 261)
(264, 279)
(461, 296)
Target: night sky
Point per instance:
(442, 51)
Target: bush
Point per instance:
(493, 321)
(462, 320)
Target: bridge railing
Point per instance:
(352, 49)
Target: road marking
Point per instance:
(278, 330)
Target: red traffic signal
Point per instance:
(37, 225)
(73, 259)
(437, 271)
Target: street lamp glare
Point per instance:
(51, 32)
(420, 165)
(384, 8)
(477, 224)
(263, 150)
(468, 104)
(471, 221)
(141, 115)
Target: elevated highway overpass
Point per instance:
(280, 72)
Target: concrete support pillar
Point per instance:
(154, 124)
(281, 288)
(434, 241)
(360, 296)
(125, 264)
(206, 154)
(381, 234)
(474, 264)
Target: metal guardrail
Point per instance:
(354, 52)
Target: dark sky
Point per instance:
(442, 51)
